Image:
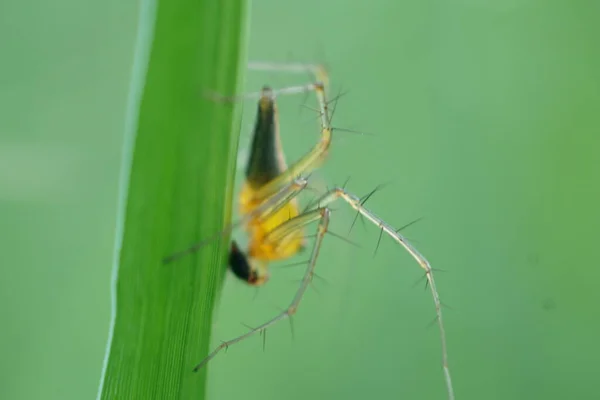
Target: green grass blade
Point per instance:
(176, 188)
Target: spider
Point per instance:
(269, 206)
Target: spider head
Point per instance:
(244, 269)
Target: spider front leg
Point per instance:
(278, 235)
(357, 204)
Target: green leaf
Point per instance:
(176, 188)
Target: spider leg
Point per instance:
(321, 215)
(357, 204)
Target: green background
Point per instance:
(485, 122)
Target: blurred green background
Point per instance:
(485, 121)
